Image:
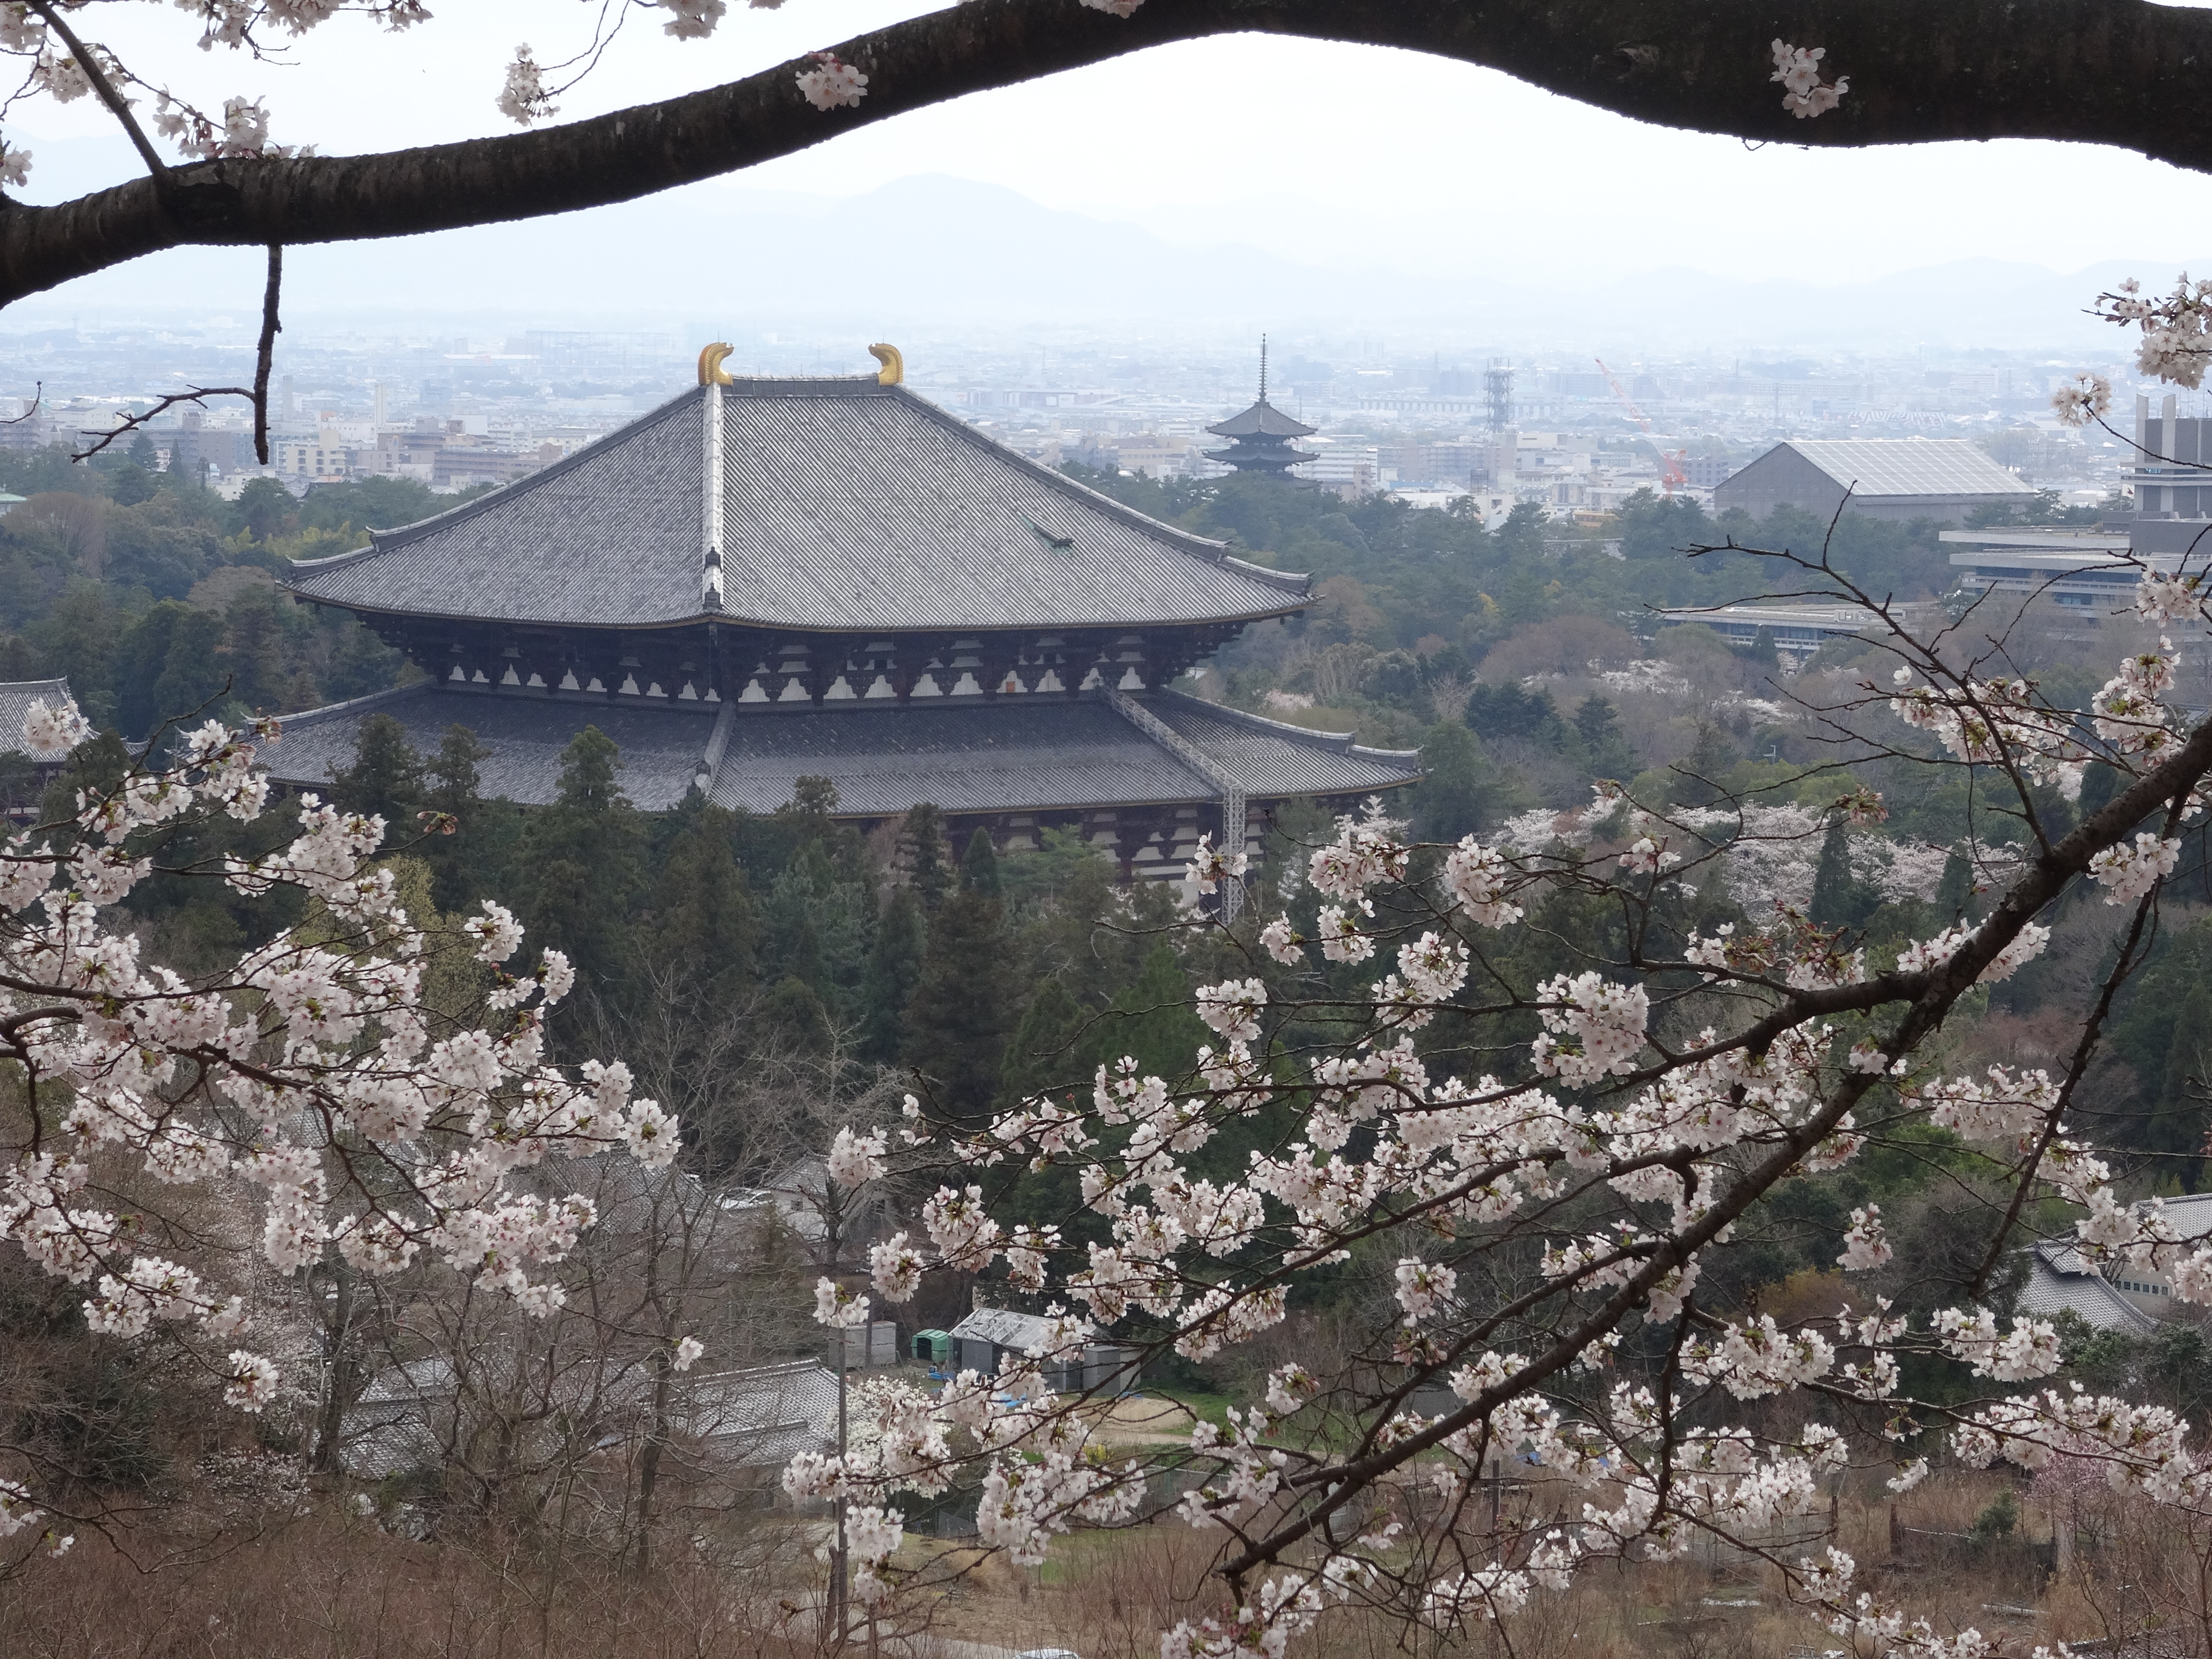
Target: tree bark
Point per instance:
(2116, 72)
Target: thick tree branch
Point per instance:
(2096, 71)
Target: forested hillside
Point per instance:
(156, 597)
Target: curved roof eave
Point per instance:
(733, 619)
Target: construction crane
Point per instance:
(1671, 474)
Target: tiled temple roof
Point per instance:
(842, 505)
(1000, 756)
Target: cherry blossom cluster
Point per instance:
(300, 1083)
(2128, 870)
(832, 84)
(2141, 1448)
(2029, 1351)
(2177, 330)
(2082, 400)
(1797, 70)
(1209, 867)
(1602, 1024)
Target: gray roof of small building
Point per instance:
(1875, 467)
(1003, 1328)
(2060, 1281)
(17, 697)
(845, 507)
(1262, 420)
(761, 1415)
(1001, 756)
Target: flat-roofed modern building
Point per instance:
(2086, 570)
(1796, 630)
(1895, 478)
(766, 580)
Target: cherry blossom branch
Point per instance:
(2084, 1050)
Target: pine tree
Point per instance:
(1835, 895)
(701, 920)
(581, 859)
(957, 1020)
(469, 857)
(894, 970)
(1954, 888)
(979, 866)
(384, 781)
(926, 857)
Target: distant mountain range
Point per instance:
(932, 254)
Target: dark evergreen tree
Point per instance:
(469, 853)
(580, 862)
(926, 857)
(1511, 712)
(193, 674)
(702, 921)
(1604, 745)
(385, 779)
(2176, 1124)
(962, 1008)
(1041, 1053)
(1835, 894)
(1151, 1021)
(979, 866)
(1954, 888)
(795, 1018)
(1463, 791)
(1701, 777)
(256, 654)
(894, 970)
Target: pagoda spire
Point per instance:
(1261, 436)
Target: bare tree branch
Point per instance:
(256, 394)
(198, 394)
(2096, 71)
(269, 329)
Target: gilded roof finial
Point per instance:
(1263, 368)
(711, 372)
(893, 372)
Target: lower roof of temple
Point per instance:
(997, 757)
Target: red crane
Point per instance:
(1670, 466)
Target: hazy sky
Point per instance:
(1385, 157)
